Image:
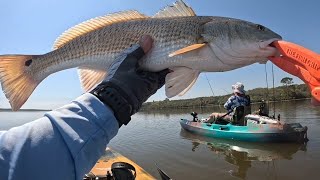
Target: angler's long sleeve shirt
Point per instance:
(64, 144)
(235, 101)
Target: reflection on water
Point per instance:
(241, 154)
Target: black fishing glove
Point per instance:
(127, 86)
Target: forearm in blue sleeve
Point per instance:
(64, 144)
(227, 104)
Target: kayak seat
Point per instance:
(239, 113)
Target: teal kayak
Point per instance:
(266, 130)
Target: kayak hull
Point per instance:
(251, 132)
(110, 156)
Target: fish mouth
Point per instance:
(269, 47)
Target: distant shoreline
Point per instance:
(210, 106)
(279, 94)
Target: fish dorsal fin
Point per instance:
(89, 78)
(178, 9)
(96, 23)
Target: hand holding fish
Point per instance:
(127, 86)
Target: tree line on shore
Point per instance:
(286, 92)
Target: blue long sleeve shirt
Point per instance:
(64, 144)
(235, 101)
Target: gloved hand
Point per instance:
(127, 86)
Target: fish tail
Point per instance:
(16, 81)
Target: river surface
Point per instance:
(156, 137)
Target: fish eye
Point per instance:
(260, 27)
(28, 63)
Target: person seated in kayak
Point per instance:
(239, 98)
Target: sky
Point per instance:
(31, 27)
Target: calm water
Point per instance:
(156, 137)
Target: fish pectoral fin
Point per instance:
(17, 84)
(179, 9)
(89, 77)
(96, 23)
(180, 81)
(187, 49)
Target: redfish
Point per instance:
(183, 42)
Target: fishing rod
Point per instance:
(274, 102)
(267, 94)
(209, 84)
(210, 88)
(265, 70)
(273, 92)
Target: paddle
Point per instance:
(219, 118)
(163, 175)
(225, 115)
(300, 62)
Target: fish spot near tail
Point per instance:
(28, 63)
